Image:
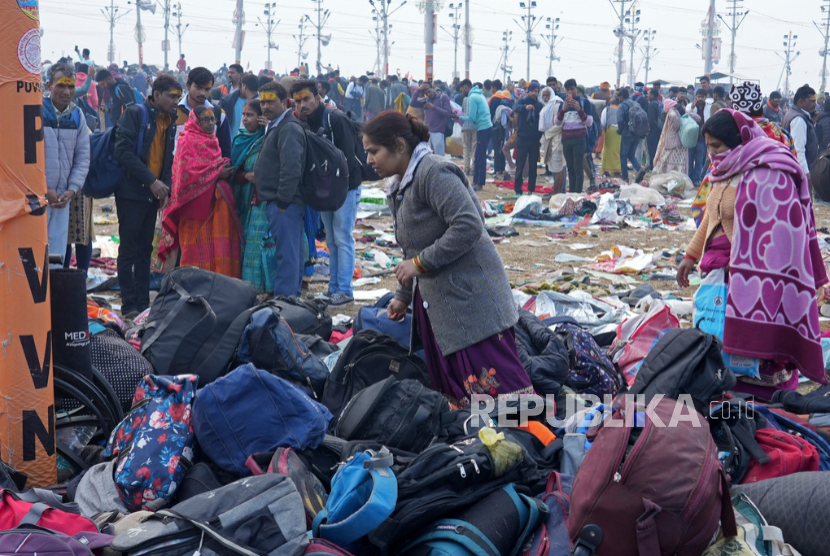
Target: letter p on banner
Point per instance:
(27, 408)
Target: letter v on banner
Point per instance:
(27, 409)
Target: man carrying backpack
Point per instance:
(148, 170)
(279, 174)
(340, 223)
(632, 124)
(66, 146)
(121, 93)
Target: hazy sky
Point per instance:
(586, 30)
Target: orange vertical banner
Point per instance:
(27, 409)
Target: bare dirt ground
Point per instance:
(528, 257)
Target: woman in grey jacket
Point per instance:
(462, 305)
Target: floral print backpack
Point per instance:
(154, 442)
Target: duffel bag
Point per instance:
(251, 516)
(154, 442)
(15, 512)
(474, 531)
(249, 411)
(369, 358)
(401, 414)
(31, 540)
(195, 323)
(118, 362)
(799, 505)
(270, 343)
(305, 316)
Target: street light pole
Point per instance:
(301, 42)
(647, 51)
(239, 19)
(619, 32)
(269, 26)
(382, 9)
(825, 11)
(552, 26)
(468, 41)
(733, 29)
(111, 13)
(455, 34)
(179, 31)
(528, 24)
(632, 17)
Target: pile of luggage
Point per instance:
(249, 433)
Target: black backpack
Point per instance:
(733, 425)
(326, 176)
(685, 362)
(304, 316)
(543, 354)
(195, 323)
(401, 414)
(443, 478)
(637, 120)
(367, 172)
(369, 358)
(820, 175)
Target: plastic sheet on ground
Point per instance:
(672, 183)
(639, 195)
(617, 279)
(108, 247)
(556, 201)
(606, 209)
(369, 295)
(623, 260)
(524, 206)
(579, 305)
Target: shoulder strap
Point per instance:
(145, 120)
(215, 365)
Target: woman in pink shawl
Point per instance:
(759, 226)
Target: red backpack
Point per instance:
(651, 489)
(14, 511)
(790, 454)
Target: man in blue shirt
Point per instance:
(234, 103)
(528, 137)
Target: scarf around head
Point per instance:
(776, 264)
(196, 168)
(246, 147)
(668, 104)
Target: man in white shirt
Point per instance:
(799, 122)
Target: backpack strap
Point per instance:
(214, 366)
(145, 121)
(203, 327)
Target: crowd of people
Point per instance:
(219, 158)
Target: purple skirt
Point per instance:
(491, 367)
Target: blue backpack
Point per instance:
(363, 495)
(105, 171)
(154, 442)
(500, 524)
(270, 344)
(551, 538)
(249, 411)
(375, 318)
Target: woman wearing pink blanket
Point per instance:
(759, 225)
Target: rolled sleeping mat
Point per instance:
(70, 324)
(799, 505)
